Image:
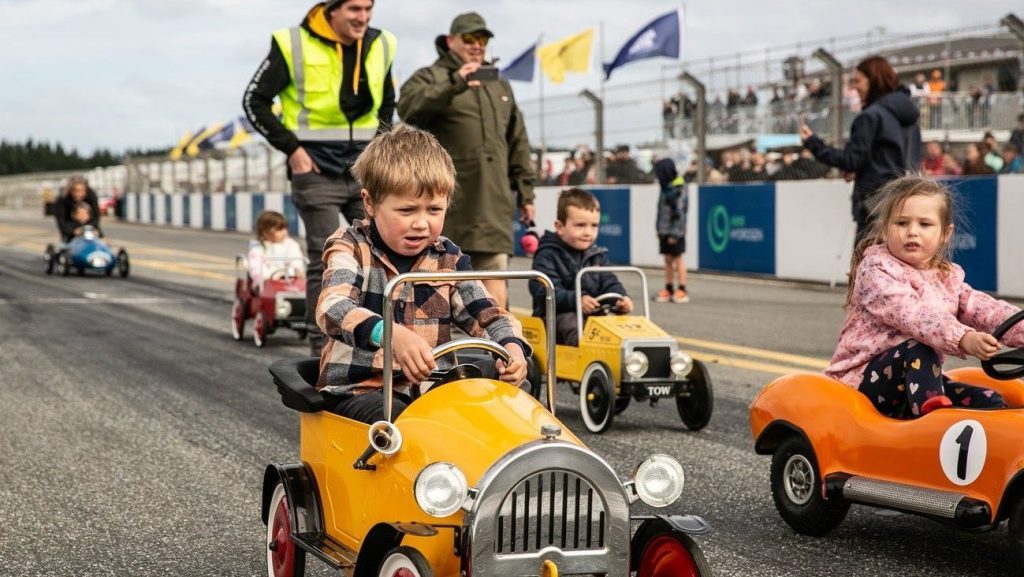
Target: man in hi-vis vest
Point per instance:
(332, 74)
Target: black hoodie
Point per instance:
(885, 142)
(561, 262)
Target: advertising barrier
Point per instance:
(797, 230)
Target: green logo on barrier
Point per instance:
(718, 228)
(721, 225)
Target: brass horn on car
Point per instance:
(385, 438)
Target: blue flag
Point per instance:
(660, 37)
(522, 67)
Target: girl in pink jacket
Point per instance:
(908, 306)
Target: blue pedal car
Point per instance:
(85, 253)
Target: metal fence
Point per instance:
(31, 190)
(257, 168)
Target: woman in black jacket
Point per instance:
(885, 139)
(76, 191)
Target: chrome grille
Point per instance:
(658, 359)
(553, 508)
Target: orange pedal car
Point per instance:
(830, 447)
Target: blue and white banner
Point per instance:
(974, 238)
(660, 37)
(737, 228)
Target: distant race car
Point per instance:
(830, 447)
(279, 301)
(85, 253)
(622, 357)
(474, 479)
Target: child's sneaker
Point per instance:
(680, 296)
(663, 296)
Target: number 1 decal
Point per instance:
(964, 440)
(962, 452)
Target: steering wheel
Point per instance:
(606, 304)
(1009, 364)
(282, 274)
(461, 371)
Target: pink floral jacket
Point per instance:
(894, 302)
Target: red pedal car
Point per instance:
(278, 301)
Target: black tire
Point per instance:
(1015, 531)
(597, 398)
(123, 265)
(48, 258)
(284, 557)
(695, 410)
(64, 262)
(622, 403)
(663, 554)
(797, 490)
(404, 560)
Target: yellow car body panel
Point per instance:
(601, 341)
(454, 423)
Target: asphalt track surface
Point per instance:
(134, 431)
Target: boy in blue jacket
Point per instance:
(561, 254)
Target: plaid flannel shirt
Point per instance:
(351, 304)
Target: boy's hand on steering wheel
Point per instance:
(589, 304)
(979, 344)
(412, 354)
(515, 372)
(625, 305)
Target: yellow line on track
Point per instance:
(786, 363)
(798, 363)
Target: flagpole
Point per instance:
(600, 137)
(543, 137)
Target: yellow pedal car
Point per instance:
(474, 479)
(620, 358)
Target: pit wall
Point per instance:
(797, 230)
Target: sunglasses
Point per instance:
(480, 39)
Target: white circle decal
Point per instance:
(962, 452)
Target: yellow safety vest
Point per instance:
(311, 105)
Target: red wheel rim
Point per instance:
(403, 572)
(665, 556)
(283, 551)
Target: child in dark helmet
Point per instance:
(673, 203)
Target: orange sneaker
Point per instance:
(680, 296)
(663, 296)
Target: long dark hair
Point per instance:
(881, 77)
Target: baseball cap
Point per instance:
(468, 23)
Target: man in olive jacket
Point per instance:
(479, 124)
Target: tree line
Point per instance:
(31, 156)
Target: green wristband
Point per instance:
(377, 333)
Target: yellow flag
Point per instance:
(193, 146)
(240, 137)
(180, 148)
(570, 54)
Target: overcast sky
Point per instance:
(139, 73)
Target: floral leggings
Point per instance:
(901, 379)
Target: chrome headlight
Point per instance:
(636, 364)
(441, 489)
(283, 309)
(658, 481)
(681, 364)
